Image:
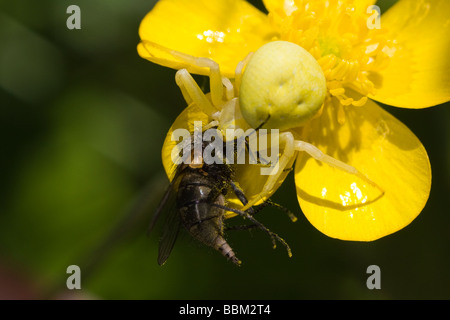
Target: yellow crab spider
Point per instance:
(282, 87)
(285, 81)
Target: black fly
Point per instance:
(196, 199)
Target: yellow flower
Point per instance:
(404, 63)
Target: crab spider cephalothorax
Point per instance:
(282, 82)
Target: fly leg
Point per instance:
(258, 208)
(241, 196)
(255, 223)
(241, 227)
(254, 209)
(273, 236)
(269, 202)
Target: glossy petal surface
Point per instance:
(418, 74)
(346, 207)
(224, 30)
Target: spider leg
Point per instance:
(274, 173)
(320, 156)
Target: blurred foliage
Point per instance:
(83, 119)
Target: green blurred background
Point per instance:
(82, 122)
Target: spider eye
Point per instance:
(284, 81)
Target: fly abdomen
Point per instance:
(198, 213)
(224, 248)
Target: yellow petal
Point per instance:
(283, 8)
(362, 5)
(247, 176)
(224, 30)
(286, 7)
(418, 74)
(184, 121)
(343, 206)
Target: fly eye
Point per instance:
(282, 81)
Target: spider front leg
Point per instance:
(217, 83)
(238, 73)
(189, 87)
(290, 146)
(286, 139)
(192, 92)
(333, 162)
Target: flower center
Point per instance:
(329, 46)
(337, 35)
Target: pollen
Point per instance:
(335, 33)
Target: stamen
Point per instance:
(336, 34)
(360, 102)
(344, 100)
(341, 114)
(337, 92)
(328, 62)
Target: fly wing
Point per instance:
(166, 205)
(168, 201)
(167, 210)
(168, 236)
